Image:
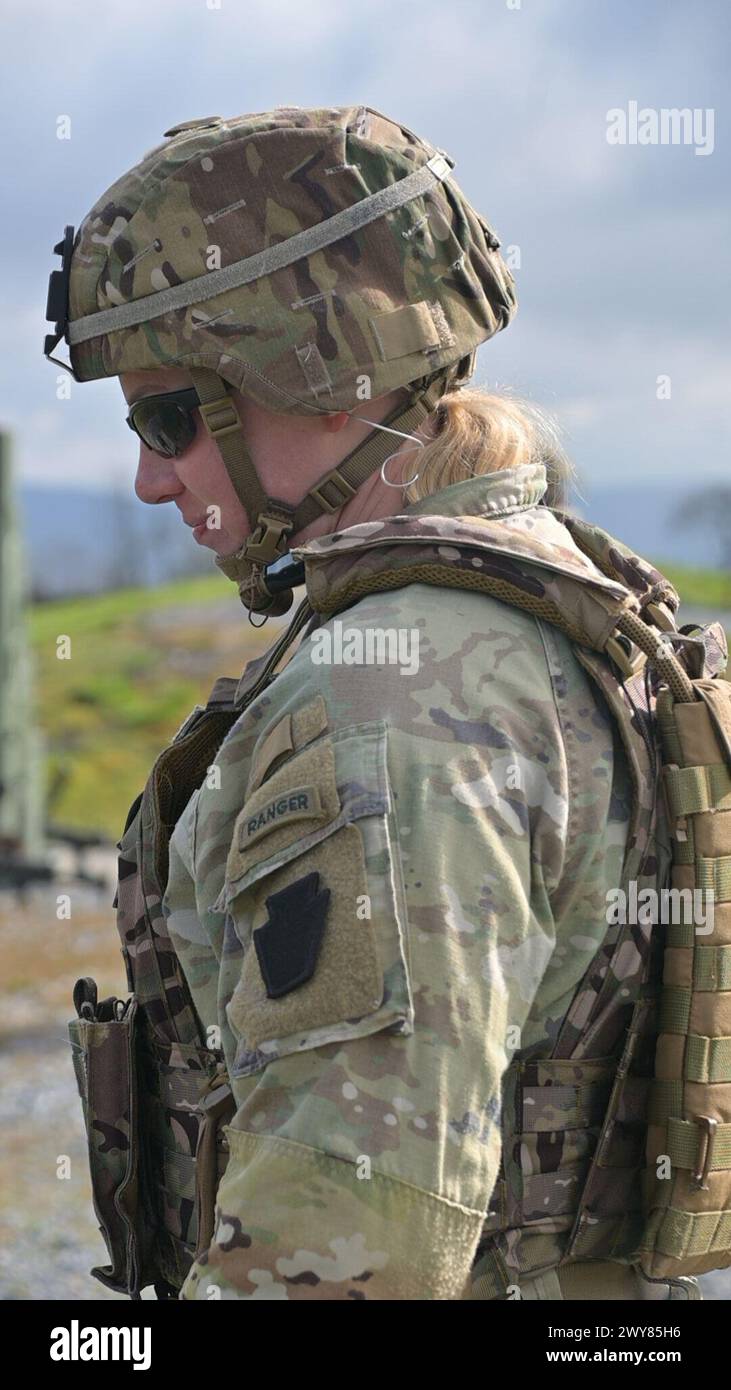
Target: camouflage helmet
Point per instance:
(310, 259)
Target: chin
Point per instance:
(224, 545)
(218, 543)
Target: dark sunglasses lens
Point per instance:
(164, 426)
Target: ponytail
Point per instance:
(473, 432)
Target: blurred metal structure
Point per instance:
(21, 778)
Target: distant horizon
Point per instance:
(153, 539)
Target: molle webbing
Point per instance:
(688, 1176)
(173, 1085)
(553, 1110)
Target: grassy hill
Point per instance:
(140, 659)
(709, 589)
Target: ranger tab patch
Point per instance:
(288, 945)
(300, 803)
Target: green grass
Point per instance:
(109, 709)
(702, 588)
(101, 612)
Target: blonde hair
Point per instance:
(473, 432)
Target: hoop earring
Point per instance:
(404, 435)
(385, 480)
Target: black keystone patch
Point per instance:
(288, 944)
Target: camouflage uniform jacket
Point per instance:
(457, 819)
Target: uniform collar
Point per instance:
(489, 494)
(484, 498)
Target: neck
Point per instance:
(374, 499)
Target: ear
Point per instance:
(334, 423)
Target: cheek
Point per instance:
(203, 473)
(202, 470)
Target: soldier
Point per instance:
(377, 1003)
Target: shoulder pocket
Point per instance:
(313, 886)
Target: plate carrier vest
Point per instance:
(616, 1143)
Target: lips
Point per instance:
(198, 525)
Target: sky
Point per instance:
(625, 254)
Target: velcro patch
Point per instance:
(405, 331)
(301, 803)
(268, 824)
(346, 980)
(309, 722)
(277, 744)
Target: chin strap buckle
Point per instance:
(247, 568)
(268, 540)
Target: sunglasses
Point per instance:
(166, 423)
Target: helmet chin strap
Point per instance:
(273, 521)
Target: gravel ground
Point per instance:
(49, 1238)
(48, 1231)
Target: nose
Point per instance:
(156, 480)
